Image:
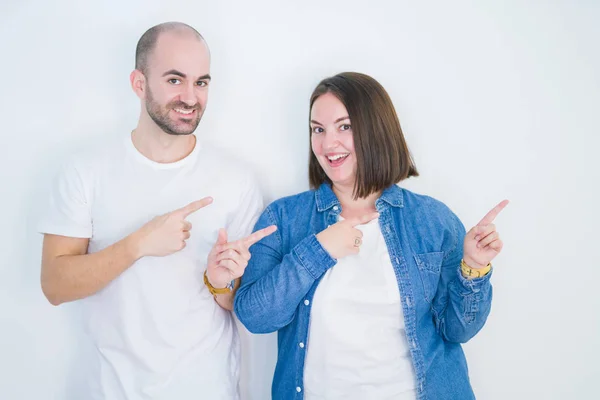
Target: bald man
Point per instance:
(156, 294)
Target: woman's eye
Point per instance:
(317, 129)
(345, 127)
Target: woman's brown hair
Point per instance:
(382, 155)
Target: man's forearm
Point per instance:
(71, 277)
(226, 300)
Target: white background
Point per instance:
(496, 99)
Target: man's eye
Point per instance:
(202, 83)
(174, 81)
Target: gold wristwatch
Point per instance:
(215, 291)
(469, 272)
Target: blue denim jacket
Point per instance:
(425, 242)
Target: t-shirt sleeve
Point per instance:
(67, 212)
(247, 212)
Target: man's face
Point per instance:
(177, 79)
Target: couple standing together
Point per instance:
(371, 288)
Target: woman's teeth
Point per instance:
(337, 157)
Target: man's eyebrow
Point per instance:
(174, 72)
(182, 75)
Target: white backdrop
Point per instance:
(497, 100)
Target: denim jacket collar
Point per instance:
(326, 198)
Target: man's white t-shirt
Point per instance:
(156, 331)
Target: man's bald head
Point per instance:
(148, 41)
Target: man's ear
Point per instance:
(138, 83)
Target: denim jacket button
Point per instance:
(301, 345)
(298, 389)
(306, 302)
(335, 208)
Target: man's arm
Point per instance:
(226, 300)
(68, 273)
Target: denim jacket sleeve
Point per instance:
(277, 279)
(460, 306)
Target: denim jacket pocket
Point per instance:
(430, 265)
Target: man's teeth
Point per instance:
(182, 111)
(337, 157)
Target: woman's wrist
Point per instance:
(470, 272)
(472, 263)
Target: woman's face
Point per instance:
(331, 140)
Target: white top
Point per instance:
(357, 346)
(156, 331)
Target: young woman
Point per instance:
(371, 288)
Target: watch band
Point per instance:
(215, 291)
(469, 272)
